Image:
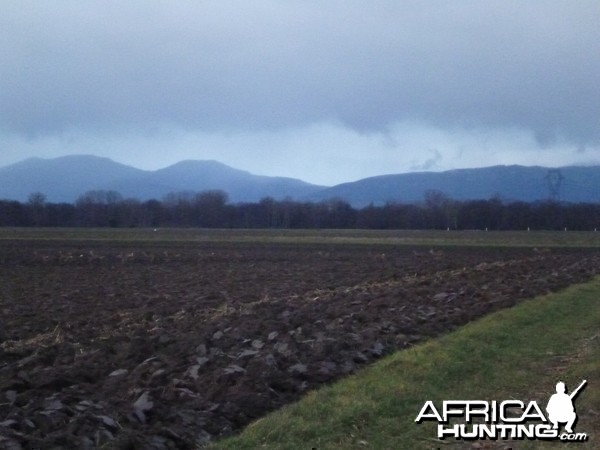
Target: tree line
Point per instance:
(211, 209)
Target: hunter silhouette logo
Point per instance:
(560, 406)
(508, 419)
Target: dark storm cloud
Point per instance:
(230, 65)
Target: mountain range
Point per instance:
(66, 178)
(509, 183)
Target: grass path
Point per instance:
(519, 353)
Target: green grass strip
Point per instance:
(518, 353)
(330, 237)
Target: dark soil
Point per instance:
(106, 346)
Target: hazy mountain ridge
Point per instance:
(523, 183)
(64, 179)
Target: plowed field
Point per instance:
(122, 345)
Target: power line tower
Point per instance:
(554, 180)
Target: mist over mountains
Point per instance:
(66, 178)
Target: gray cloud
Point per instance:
(271, 64)
(363, 87)
(430, 163)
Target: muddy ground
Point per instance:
(104, 345)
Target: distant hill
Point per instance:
(573, 184)
(61, 179)
(64, 179)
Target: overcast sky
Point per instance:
(327, 91)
